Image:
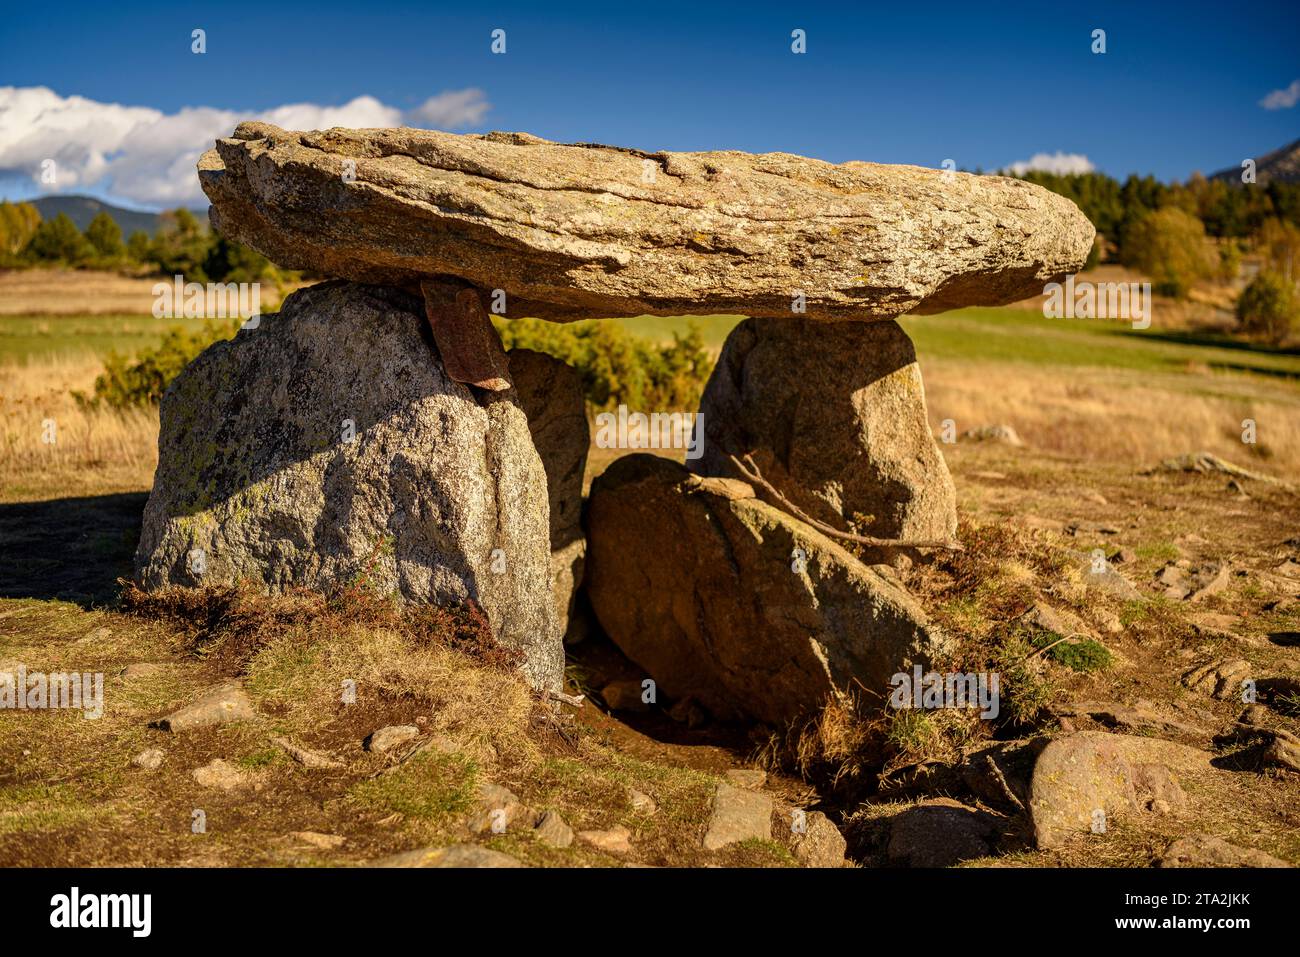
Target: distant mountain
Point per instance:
(82, 209)
(1282, 165)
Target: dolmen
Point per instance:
(374, 430)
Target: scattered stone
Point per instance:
(1207, 462)
(150, 759)
(821, 844)
(765, 616)
(579, 231)
(498, 807)
(625, 695)
(1221, 678)
(616, 840)
(834, 416)
(1108, 621)
(1123, 556)
(1104, 577)
(641, 802)
(339, 430)
(940, 832)
(220, 705)
(752, 778)
(326, 842)
(1139, 717)
(738, 814)
(550, 393)
(1205, 850)
(305, 756)
(222, 775)
(1003, 434)
(458, 855)
(1062, 623)
(385, 739)
(551, 829)
(1283, 751)
(1093, 776)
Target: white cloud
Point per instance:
(1282, 99)
(1057, 162)
(147, 156)
(453, 109)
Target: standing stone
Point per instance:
(724, 599)
(550, 393)
(834, 414)
(327, 447)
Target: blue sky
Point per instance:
(1178, 89)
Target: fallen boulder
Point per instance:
(722, 598)
(581, 230)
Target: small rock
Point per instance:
(1004, 434)
(1104, 577)
(616, 840)
(326, 842)
(1204, 850)
(624, 695)
(940, 832)
(497, 806)
(551, 829)
(458, 855)
(754, 779)
(221, 705)
(1283, 751)
(1062, 623)
(738, 814)
(641, 802)
(1108, 621)
(150, 759)
(221, 775)
(306, 757)
(1124, 556)
(385, 739)
(1221, 679)
(821, 844)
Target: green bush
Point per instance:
(1268, 307)
(616, 367)
(1169, 246)
(59, 240)
(142, 380)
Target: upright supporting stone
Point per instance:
(834, 414)
(329, 446)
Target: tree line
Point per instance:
(181, 246)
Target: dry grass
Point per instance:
(26, 292)
(91, 450)
(1116, 416)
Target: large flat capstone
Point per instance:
(581, 230)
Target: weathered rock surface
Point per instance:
(223, 704)
(699, 583)
(940, 832)
(550, 394)
(389, 737)
(576, 231)
(739, 814)
(261, 478)
(820, 844)
(457, 855)
(1205, 850)
(834, 414)
(1083, 780)
(614, 840)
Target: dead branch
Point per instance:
(749, 469)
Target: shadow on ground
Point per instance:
(73, 549)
